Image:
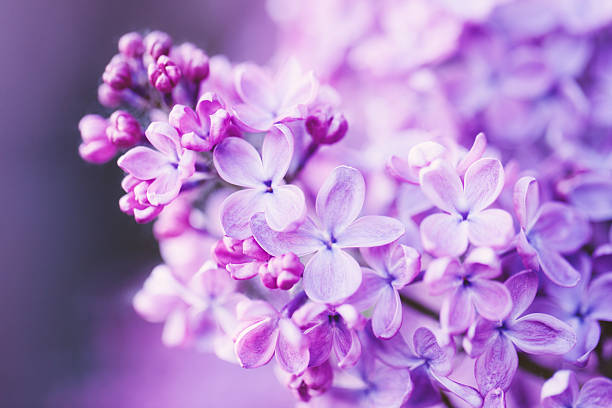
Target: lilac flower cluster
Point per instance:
(356, 225)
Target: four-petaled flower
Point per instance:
(562, 391)
(331, 275)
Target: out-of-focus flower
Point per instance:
(164, 74)
(562, 391)
(95, 146)
(124, 130)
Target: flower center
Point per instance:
(268, 184)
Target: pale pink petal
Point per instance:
(561, 227)
(331, 275)
(255, 87)
(441, 184)
(444, 235)
(285, 207)
(165, 188)
(526, 201)
(560, 391)
(596, 393)
(276, 153)
(483, 181)
(599, 298)
(496, 367)
(557, 268)
(243, 271)
(523, 288)
(237, 210)
(443, 274)
(492, 227)
(371, 230)
(292, 348)
(143, 163)
(340, 199)
(306, 239)
(387, 316)
(491, 299)
(176, 329)
(539, 333)
(253, 118)
(457, 312)
(254, 346)
(238, 163)
(475, 153)
(164, 138)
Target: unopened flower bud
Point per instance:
(108, 96)
(131, 45)
(311, 383)
(326, 127)
(192, 60)
(251, 248)
(95, 147)
(282, 272)
(164, 74)
(117, 73)
(157, 43)
(124, 130)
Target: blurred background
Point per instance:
(70, 260)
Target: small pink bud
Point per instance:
(108, 96)
(192, 60)
(164, 74)
(117, 73)
(124, 130)
(282, 272)
(131, 45)
(326, 127)
(157, 43)
(95, 147)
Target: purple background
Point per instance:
(70, 260)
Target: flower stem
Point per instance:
(310, 151)
(418, 307)
(530, 366)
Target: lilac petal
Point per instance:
(595, 393)
(376, 257)
(526, 201)
(320, 340)
(252, 118)
(539, 333)
(164, 138)
(496, 398)
(527, 252)
(492, 227)
(276, 153)
(424, 392)
(304, 240)
(557, 268)
(237, 210)
(599, 299)
(482, 263)
(293, 87)
(444, 235)
(588, 333)
(340, 199)
(523, 288)
(483, 181)
(561, 227)
(426, 346)
(369, 231)
(309, 313)
(369, 291)
(292, 348)
(255, 310)
(465, 392)
(142, 162)
(496, 367)
(255, 87)
(243, 271)
(594, 198)
(238, 163)
(176, 329)
(560, 391)
(443, 274)
(285, 207)
(387, 316)
(404, 265)
(441, 184)
(457, 312)
(475, 153)
(389, 387)
(479, 335)
(346, 345)
(491, 299)
(212, 281)
(331, 275)
(254, 346)
(165, 188)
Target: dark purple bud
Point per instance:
(164, 74)
(124, 130)
(95, 147)
(109, 97)
(326, 127)
(131, 45)
(157, 43)
(117, 73)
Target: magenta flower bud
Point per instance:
(326, 127)
(124, 130)
(282, 272)
(251, 248)
(95, 147)
(131, 45)
(192, 60)
(157, 43)
(117, 73)
(109, 97)
(315, 381)
(164, 74)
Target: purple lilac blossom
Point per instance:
(563, 390)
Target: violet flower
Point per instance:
(469, 289)
(331, 274)
(547, 231)
(330, 329)
(495, 343)
(393, 267)
(562, 391)
(166, 167)
(268, 100)
(268, 333)
(466, 218)
(238, 163)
